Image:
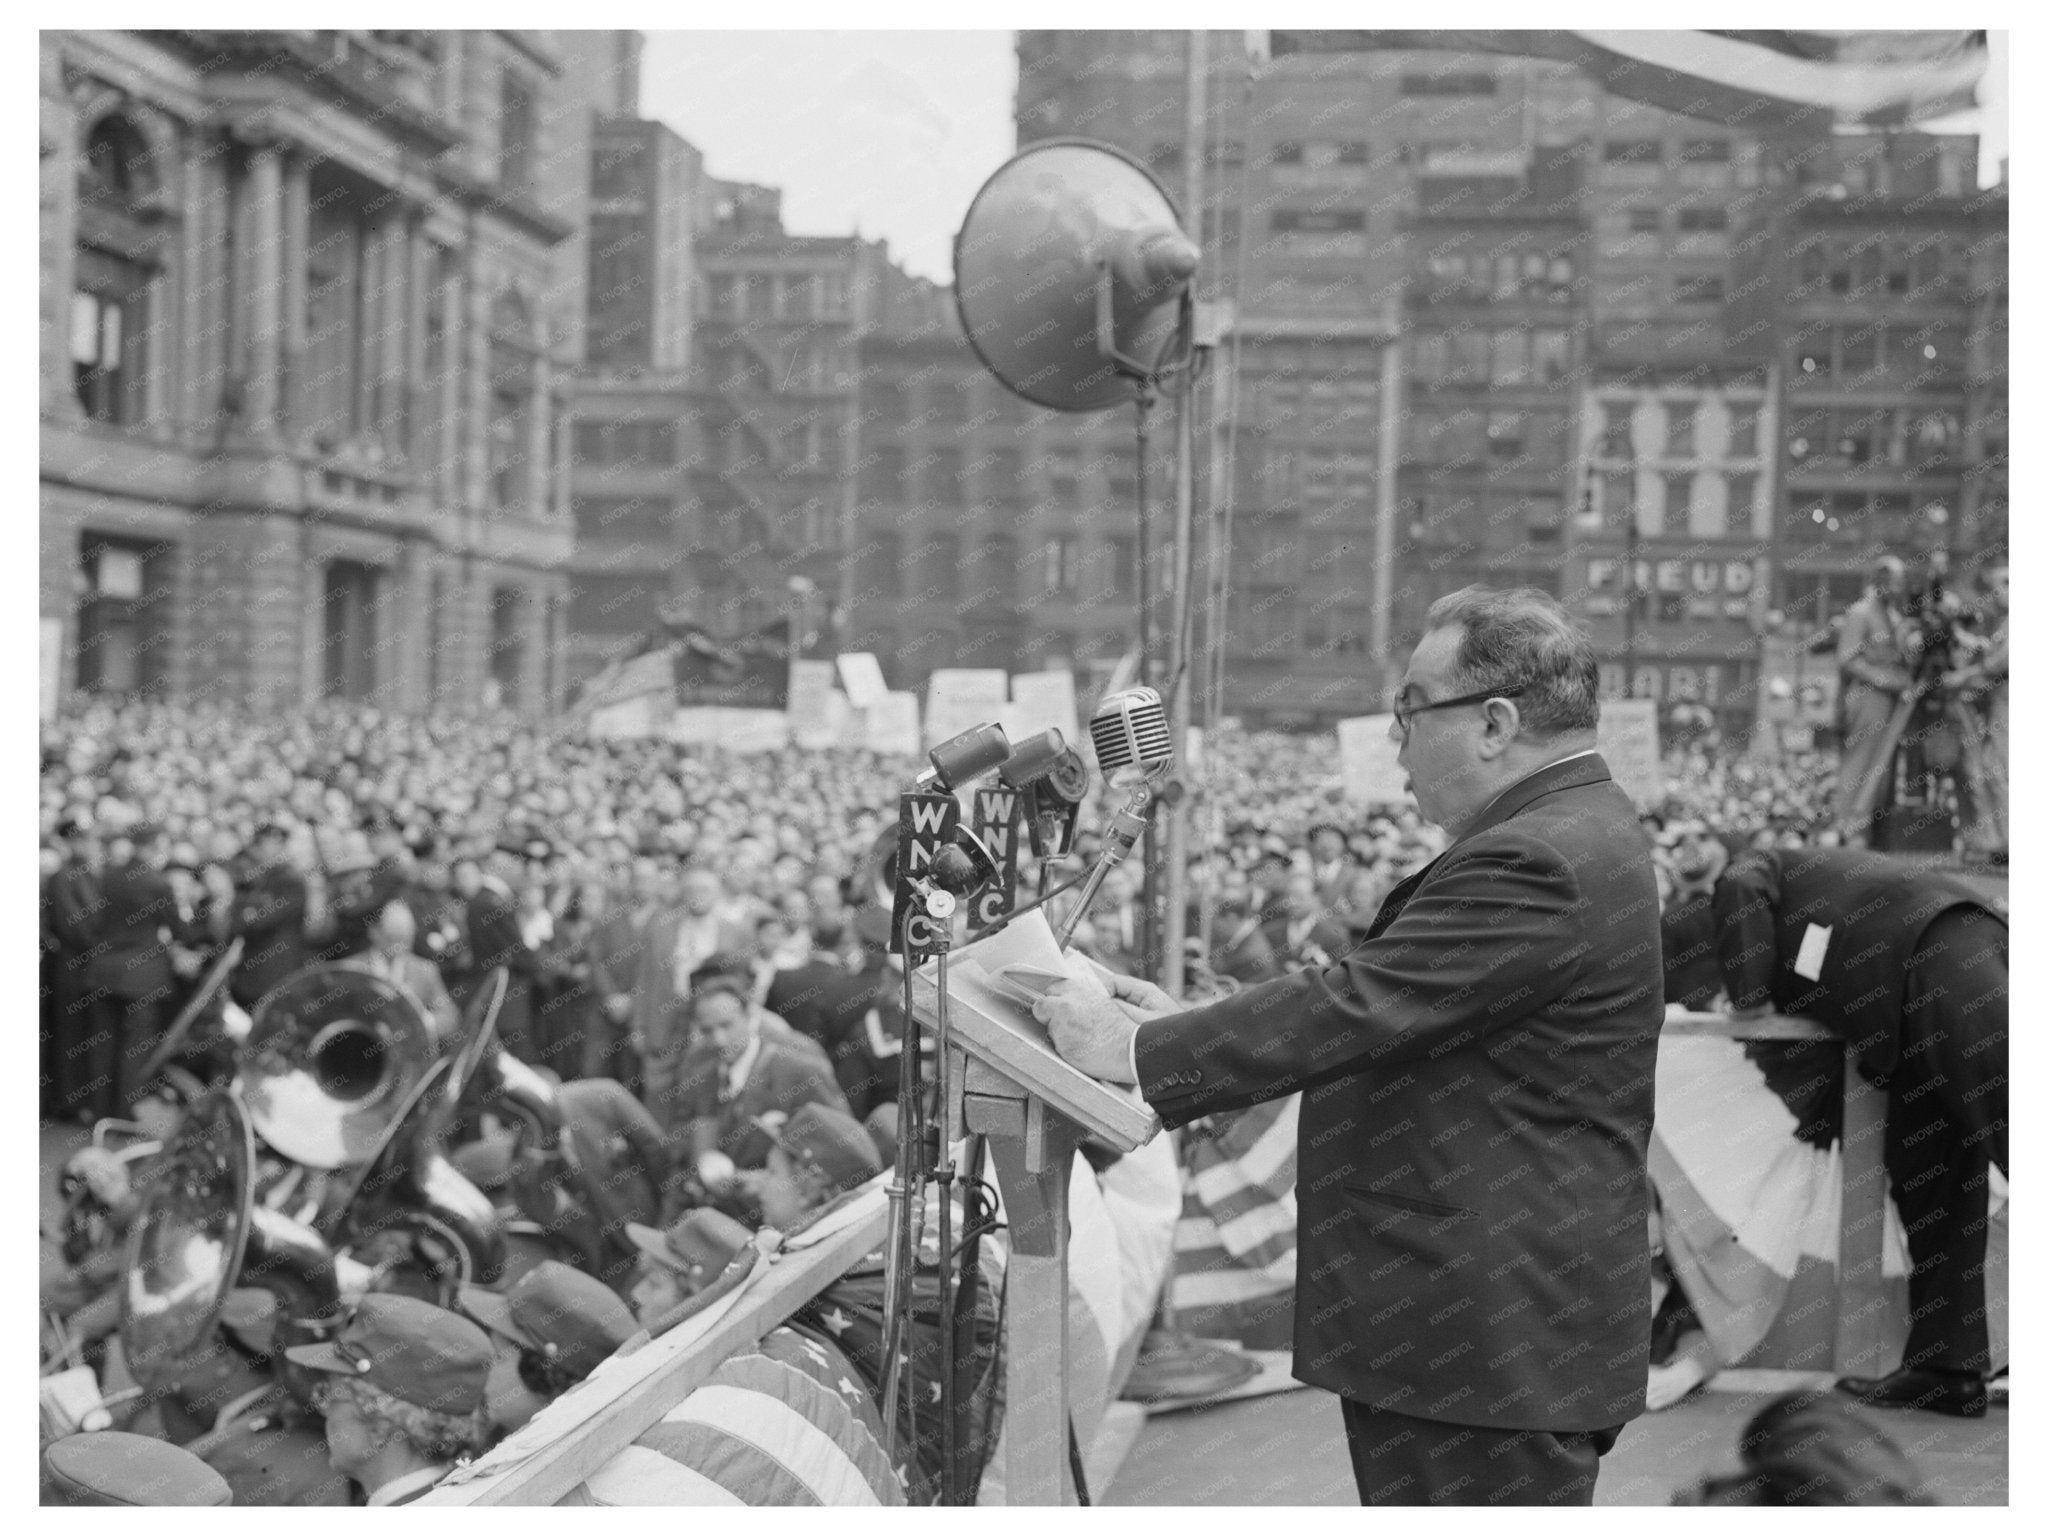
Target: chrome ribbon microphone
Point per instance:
(1129, 730)
(1130, 727)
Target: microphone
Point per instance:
(960, 758)
(1130, 727)
(1053, 781)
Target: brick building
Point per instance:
(305, 311)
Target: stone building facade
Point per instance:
(307, 302)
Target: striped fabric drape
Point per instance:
(787, 1423)
(1234, 1248)
(1757, 79)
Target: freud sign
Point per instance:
(1688, 587)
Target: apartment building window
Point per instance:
(616, 169)
(1318, 221)
(1510, 358)
(1858, 350)
(1678, 504)
(1062, 564)
(1678, 428)
(1742, 427)
(1703, 152)
(1816, 352)
(1645, 221)
(890, 403)
(1550, 355)
(1288, 152)
(1229, 154)
(999, 566)
(883, 576)
(1123, 564)
(724, 296)
(1002, 475)
(1616, 431)
(1354, 152)
(1505, 435)
(1697, 220)
(648, 520)
(512, 376)
(1633, 152)
(1741, 504)
(1471, 357)
(1696, 290)
(942, 565)
(882, 478)
(1543, 518)
(1459, 83)
(518, 122)
(945, 477)
(1164, 157)
(1618, 497)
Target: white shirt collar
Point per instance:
(399, 1487)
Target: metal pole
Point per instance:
(1384, 499)
(1628, 611)
(1173, 957)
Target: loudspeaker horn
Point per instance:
(1071, 274)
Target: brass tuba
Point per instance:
(186, 1244)
(341, 1076)
(332, 1059)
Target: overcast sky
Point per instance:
(890, 134)
(886, 134)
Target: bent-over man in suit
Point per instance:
(1473, 1270)
(1911, 967)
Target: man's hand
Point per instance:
(1094, 1033)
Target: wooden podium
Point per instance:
(1010, 1086)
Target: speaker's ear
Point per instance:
(1063, 227)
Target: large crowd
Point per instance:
(695, 943)
(511, 844)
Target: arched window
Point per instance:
(512, 377)
(117, 265)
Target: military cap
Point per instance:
(698, 1247)
(113, 1468)
(829, 1142)
(419, 1353)
(572, 1319)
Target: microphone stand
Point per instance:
(1118, 839)
(896, 1283)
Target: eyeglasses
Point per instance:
(1404, 712)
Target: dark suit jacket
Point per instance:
(1333, 939)
(1473, 1201)
(1875, 909)
(785, 1077)
(131, 960)
(270, 918)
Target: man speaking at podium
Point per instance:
(1473, 1269)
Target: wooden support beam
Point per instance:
(632, 1395)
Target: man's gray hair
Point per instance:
(1525, 636)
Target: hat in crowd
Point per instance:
(273, 829)
(573, 1319)
(419, 1353)
(114, 1468)
(829, 1142)
(1325, 826)
(699, 1246)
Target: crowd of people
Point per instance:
(694, 940)
(475, 843)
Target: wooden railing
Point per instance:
(1859, 1273)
